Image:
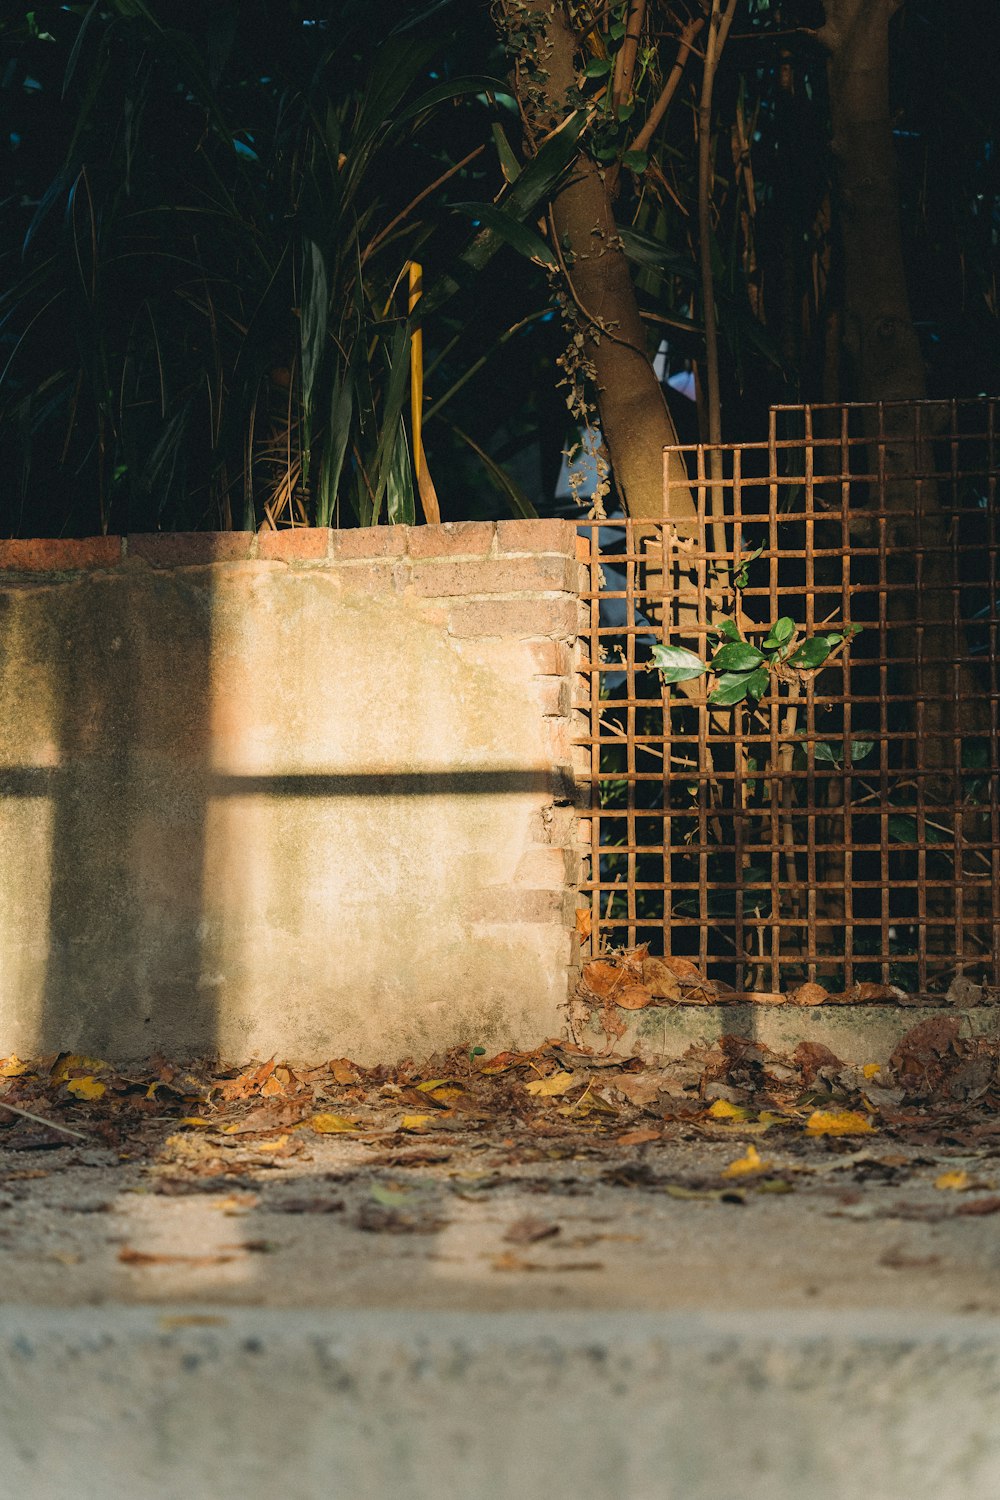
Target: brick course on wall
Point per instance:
(306, 792)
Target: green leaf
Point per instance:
(636, 161)
(525, 241)
(616, 30)
(598, 67)
(677, 665)
(861, 748)
(904, 830)
(737, 656)
(509, 164)
(732, 688)
(728, 629)
(757, 682)
(811, 654)
(780, 633)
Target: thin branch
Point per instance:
(404, 213)
(656, 114)
(41, 1120)
(628, 54)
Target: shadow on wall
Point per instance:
(214, 836)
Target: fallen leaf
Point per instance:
(660, 979)
(390, 1197)
(325, 1124)
(979, 1206)
(809, 994)
(13, 1067)
(871, 1070)
(584, 922)
(189, 1119)
(555, 1083)
(414, 1122)
(723, 1110)
(529, 1230)
(144, 1258)
(639, 1137)
(170, 1321)
(344, 1071)
(86, 1088)
(748, 1165)
(74, 1063)
(839, 1122)
(279, 1144)
(602, 978)
(633, 997)
(955, 1182)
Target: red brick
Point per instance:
(294, 544)
(493, 575)
(549, 535)
(186, 549)
(513, 619)
(453, 539)
(57, 555)
(370, 541)
(380, 576)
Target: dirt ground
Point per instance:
(553, 1179)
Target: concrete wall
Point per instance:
(307, 793)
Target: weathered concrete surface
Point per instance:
(854, 1033)
(306, 794)
(759, 1406)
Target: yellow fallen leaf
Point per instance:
(957, 1182)
(231, 1129)
(839, 1122)
(278, 1144)
(331, 1124)
(170, 1321)
(14, 1068)
(434, 1084)
(413, 1122)
(746, 1166)
(769, 1117)
(86, 1088)
(871, 1069)
(75, 1063)
(556, 1083)
(189, 1119)
(723, 1110)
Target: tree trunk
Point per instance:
(887, 365)
(635, 420)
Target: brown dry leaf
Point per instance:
(639, 1088)
(681, 968)
(979, 1206)
(131, 1257)
(602, 978)
(633, 997)
(344, 1071)
(809, 994)
(556, 1083)
(169, 1321)
(873, 994)
(660, 979)
(584, 922)
(639, 1137)
(529, 1230)
(811, 1056)
(839, 1122)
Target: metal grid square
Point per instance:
(847, 827)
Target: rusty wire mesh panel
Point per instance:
(845, 827)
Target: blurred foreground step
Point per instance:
(170, 1404)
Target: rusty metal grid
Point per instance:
(847, 828)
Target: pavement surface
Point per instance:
(739, 1279)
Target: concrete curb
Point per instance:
(148, 1402)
